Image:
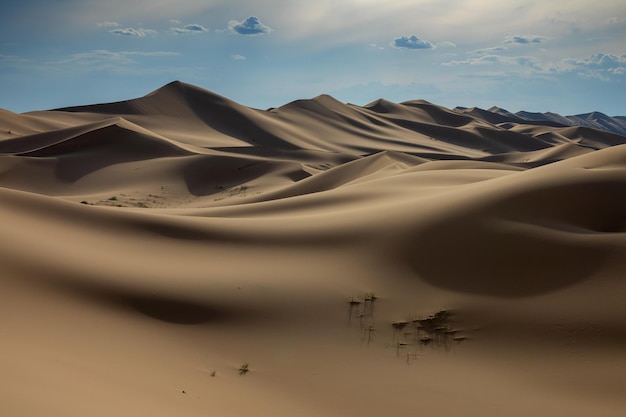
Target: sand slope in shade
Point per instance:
(212, 235)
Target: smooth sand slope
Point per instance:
(391, 259)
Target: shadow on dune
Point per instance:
(490, 259)
(213, 175)
(224, 115)
(99, 148)
(166, 308)
(185, 101)
(530, 243)
(172, 310)
(587, 205)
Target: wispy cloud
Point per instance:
(238, 57)
(102, 57)
(489, 51)
(614, 20)
(478, 60)
(108, 24)
(411, 42)
(522, 65)
(250, 26)
(12, 60)
(445, 44)
(140, 32)
(523, 39)
(90, 61)
(600, 66)
(190, 28)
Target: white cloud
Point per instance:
(523, 39)
(250, 26)
(108, 25)
(600, 66)
(140, 33)
(190, 28)
(238, 57)
(411, 42)
(196, 27)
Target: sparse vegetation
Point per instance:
(369, 333)
(321, 167)
(127, 200)
(237, 190)
(434, 330)
(231, 192)
(353, 302)
(399, 325)
(370, 296)
(244, 368)
(363, 309)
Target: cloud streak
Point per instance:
(108, 24)
(103, 57)
(139, 33)
(190, 28)
(489, 51)
(523, 39)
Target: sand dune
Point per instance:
(395, 258)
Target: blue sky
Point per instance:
(563, 56)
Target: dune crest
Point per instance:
(183, 254)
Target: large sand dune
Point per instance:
(391, 259)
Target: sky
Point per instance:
(568, 57)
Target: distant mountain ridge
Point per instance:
(594, 120)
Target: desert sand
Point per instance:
(389, 259)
